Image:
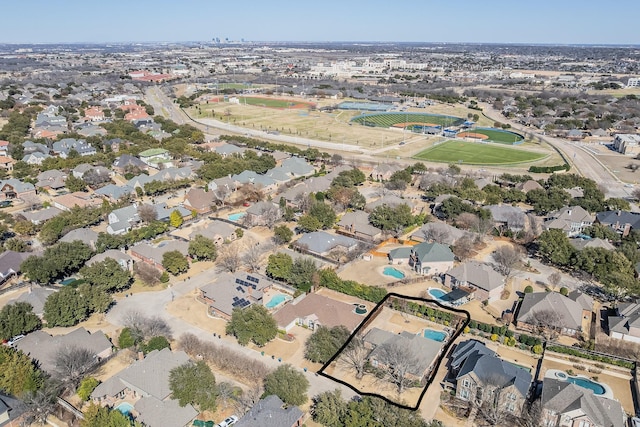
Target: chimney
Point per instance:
(140, 355)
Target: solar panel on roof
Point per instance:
(253, 286)
(238, 281)
(253, 279)
(238, 288)
(236, 298)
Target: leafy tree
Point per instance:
(528, 289)
(86, 387)
(174, 262)
(101, 416)
(288, 384)
(202, 248)
(56, 261)
(18, 374)
(302, 273)
(67, 307)
(254, 324)
(329, 408)
(324, 213)
(156, 343)
(554, 246)
(126, 339)
(282, 234)
(108, 275)
(390, 218)
(308, 223)
(17, 318)
(194, 383)
(325, 342)
(175, 219)
(16, 245)
(74, 184)
(279, 266)
(41, 402)
(602, 232)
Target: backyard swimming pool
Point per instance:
(597, 388)
(236, 216)
(393, 272)
(277, 300)
(437, 294)
(588, 384)
(435, 335)
(125, 408)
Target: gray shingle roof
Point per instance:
(224, 291)
(619, 217)
(270, 412)
(433, 252)
(10, 262)
(36, 296)
(480, 275)
(85, 235)
(563, 398)
(321, 242)
(492, 370)
(568, 311)
(156, 413)
(466, 349)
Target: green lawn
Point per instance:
(475, 153)
(500, 136)
(268, 102)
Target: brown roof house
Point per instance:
(487, 282)
(570, 315)
(199, 200)
(218, 231)
(314, 310)
(357, 224)
(529, 185)
(152, 254)
(148, 381)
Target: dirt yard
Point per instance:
(192, 311)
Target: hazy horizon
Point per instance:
(544, 22)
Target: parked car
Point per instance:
(635, 422)
(5, 203)
(228, 421)
(14, 340)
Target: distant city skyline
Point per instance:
(491, 21)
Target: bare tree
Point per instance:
(546, 322)
(464, 247)
(270, 214)
(144, 328)
(493, 404)
(436, 234)
(41, 403)
(249, 397)
(72, 364)
(515, 220)
(534, 225)
(254, 254)
(303, 201)
(531, 415)
(147, 213)
(229, 258)
(507, 258)
(251, 193)
(221, 194)
(399, 359)
(147, 273)
(555, 278)
(355, 356)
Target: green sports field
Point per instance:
(393, 118)
(499, 135)
(475, 153)
(272, 102)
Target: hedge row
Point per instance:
(492, 329)
(549, 169)
(590, 356)
(329, 279)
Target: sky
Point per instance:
(471, 21)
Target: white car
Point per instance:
(635, 422)
(228, 421)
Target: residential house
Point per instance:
(571, 220)
(154, 157)
(423, 351)
(218, 231)
(272, 412)
(507, 217)
(94, 114)
(39, 217)
(262, 213)
(565, 404)
(322, 243)
(262, 182)
(85, 235)
(114, 192)
(127, 162)
(66, 202)
(11, 410)
(226, 150)
(10, 262)
(199, 200)
(152, 254)
(529, 185)
(621, 221)
(35, 158)
(357, 224)
(234, 290)
(34, 147)
(293, 167)
(487, 283)
(15, 189)
(62, 147)
(570, 315)
(383, 171)
(313, 310)
(43, 348)
(90, 129)
(582, 243)
(625, 324)
(122, 258)
(51, 180)
(425, 258)
(6, 163)
(36, 296)
(148, 380)
(114, 144)
(626, 143)
(4, 148)
(438, 231)
(483, 378)
(392, 201)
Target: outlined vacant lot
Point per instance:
(395, 352)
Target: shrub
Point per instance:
(599, 358)
(564, 291)
(466, 329)
(528, 289)
(537, 349)
(494, 337)
(164, 278)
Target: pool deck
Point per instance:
(553, 373)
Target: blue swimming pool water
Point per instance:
(125, 408)
(393, 272)
(236, 216)
(587, 383)
(435, 335)
(437, 294)
(277, 299)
